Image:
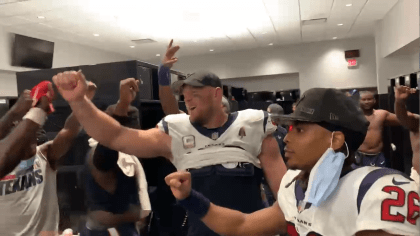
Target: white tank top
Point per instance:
(239, 140)
(28, 199)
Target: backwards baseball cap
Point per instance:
(199, 79)
(333, 110)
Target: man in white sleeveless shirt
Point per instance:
(321, 194)
(28, 196)
(208, 141)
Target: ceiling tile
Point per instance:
(14, 20)
(345, 15)
(285, 17)
(376, 10)
(219, 24)
(313, 33)
(13, 9)
(315, 9)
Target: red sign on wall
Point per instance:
(352, 62)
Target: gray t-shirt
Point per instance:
(28, 199)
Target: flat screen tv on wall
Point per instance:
(32, 52)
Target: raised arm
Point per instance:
(21, 107)
(16, 146)
(408, 119)
(122, 111)
(107, 131)
(224, 221)
(272, 163)
(167, 99)
(62, 143)
(391, 119)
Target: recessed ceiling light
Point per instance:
(334, 37)
(195, 41)
(340, 24)
(264, 32)
(41, 17)
(271, 44)
(158, 55)
(349, 5)
(96, 35)
(132, 46)
(211, 50)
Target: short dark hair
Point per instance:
(366, 92)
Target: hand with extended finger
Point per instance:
(169, 59)
(72, 85)
(180, 183)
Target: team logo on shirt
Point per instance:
(188, 141)
(215, 135)
(300, 209)
(242, 132)
(37, 164)
(24, 177)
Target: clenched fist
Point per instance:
(90, 93)
(180, 183)
(402, 92)
(23, 104)
(72, 85)
(128, 89)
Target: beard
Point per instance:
(203, 117)
(199, 120)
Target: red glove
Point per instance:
(42, 90)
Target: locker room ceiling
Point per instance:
(198, 26)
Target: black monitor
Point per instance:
(32, 52)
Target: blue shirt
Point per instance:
(279, 134)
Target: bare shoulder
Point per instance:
(381, 114)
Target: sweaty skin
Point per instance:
(415, 145)
(373, 142)
(408, 120)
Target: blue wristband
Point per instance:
(164, 77)
(196, 203)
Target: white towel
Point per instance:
(131, 166)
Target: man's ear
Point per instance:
(218, 92)
(338, 140)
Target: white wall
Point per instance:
(65, 54)
(266, 82)
(397, 43)
(399, 27)
(70, 54)
(320, 64)
(8, 85)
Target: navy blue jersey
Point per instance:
(279, 134)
